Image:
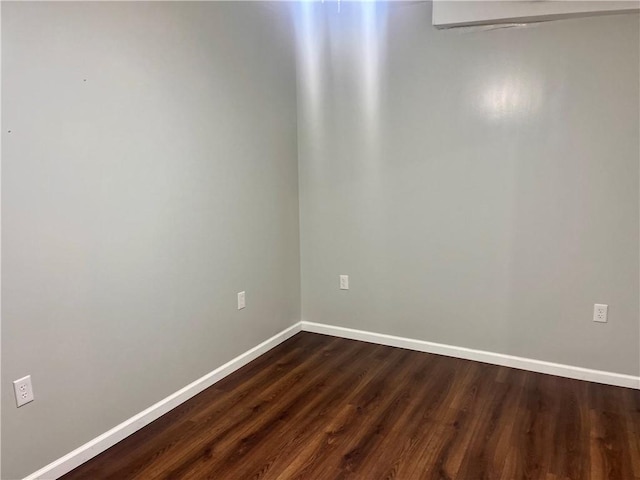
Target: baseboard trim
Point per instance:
(99, 444)
(568, 371)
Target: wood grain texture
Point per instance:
(319, 407)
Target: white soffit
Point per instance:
(453, 13)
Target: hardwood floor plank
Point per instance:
(482, 459)
(309, 437)
(393, 451)
(319, 407)
(302, 413)
(333, 445)
(228, 428)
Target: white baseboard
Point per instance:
(99, 444)
(539, 366)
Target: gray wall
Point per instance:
(136, 204)
(479, 187)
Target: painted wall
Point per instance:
(150, 174)
(480, 187)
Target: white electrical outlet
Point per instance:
(344, 282)
(241, 300)
(600, 312)
(23, 390)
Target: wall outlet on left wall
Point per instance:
(241, 300)
(23, 390)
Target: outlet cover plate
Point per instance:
(242, 302)
(600, 313)
(23, 390)
(344, 282)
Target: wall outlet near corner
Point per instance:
(344, 282)
(600, 312)
(241, 300)
(23, 390)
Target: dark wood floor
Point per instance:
(319, 407)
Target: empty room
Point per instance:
(320, 240)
